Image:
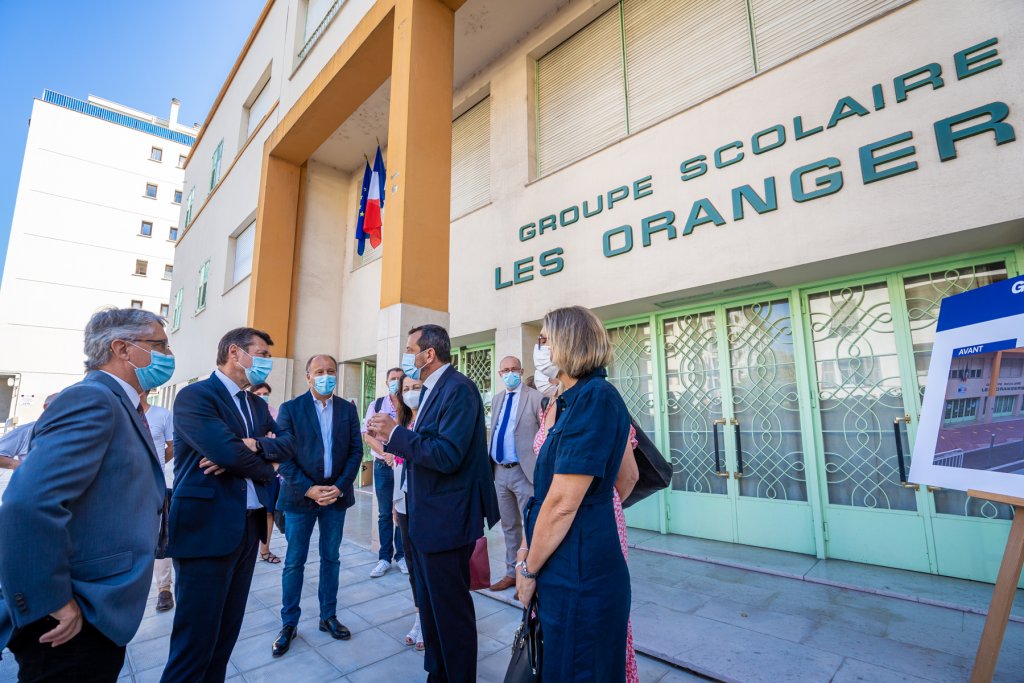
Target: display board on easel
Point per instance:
(976, 379)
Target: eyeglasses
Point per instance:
(508, 370)
(161, 345)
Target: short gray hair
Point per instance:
(109, 324)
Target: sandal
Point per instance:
(270, 558)
(415, 635)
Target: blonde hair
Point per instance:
(579, 342)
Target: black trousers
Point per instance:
(410, 557)
(89, 657)
(211, 593)
(447, 615)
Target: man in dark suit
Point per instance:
(79, 520)
(317, 490)
(224, 447)
(450, 494)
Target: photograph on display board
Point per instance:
(982, 425)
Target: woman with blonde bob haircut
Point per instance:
(574, 565)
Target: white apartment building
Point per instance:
(95, 224)
(765, 200)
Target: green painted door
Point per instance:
(870, 344)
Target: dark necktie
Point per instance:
(245, 412)
(142, 416)
(499, 448)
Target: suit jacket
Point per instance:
(207, 517)
(298, 418)
(448, 473)
(527, 425)
(81, 515)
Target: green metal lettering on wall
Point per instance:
(965, 61)
(551, 261)
(830, 183)
(869, 163)
(575, 216)
(498, 282)
(657, 223)
(547, 223)
(627, 233)
(946, 137)
(798, 129)
(617, 195)
(642, 188)
(527, 232)
(877, 96)
(780, 140)
(932, 75)
(522, 270)
(710, 215)
(846, 107)
(587, 213)
(693, 168)
(722, 163)
(769, 203)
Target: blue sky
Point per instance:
(140, 54)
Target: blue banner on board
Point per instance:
(1000, 300)
(985, 348)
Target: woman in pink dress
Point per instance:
(628, 476)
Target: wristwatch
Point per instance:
(524, 571)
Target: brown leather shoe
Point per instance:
(164, 601)
(507, 582)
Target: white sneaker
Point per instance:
(402, 566)
(380, 570)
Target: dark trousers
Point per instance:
(211, 593)
(384, 487)
(410, 559)
(89, 657)
(447, 616)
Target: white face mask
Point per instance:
(411, 399)
(542, 361)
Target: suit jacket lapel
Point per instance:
(133, 413)
(221, 392)
(313, 416)
(432, 395)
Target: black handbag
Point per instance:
(527, 649)
(655, 471)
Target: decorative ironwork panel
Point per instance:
(479, 367)
(693, 400)
(766, 401)
(859, 395)
(924, 295)
(369, 386)
(632, 371)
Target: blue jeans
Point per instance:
(298, 527)
(384, 486)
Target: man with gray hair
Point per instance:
(80, 518)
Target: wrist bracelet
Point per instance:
(524, 571)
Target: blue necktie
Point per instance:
(499, 450)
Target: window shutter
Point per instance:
(581, 103)
(680, 52)
(786, 28)
(244, 246)
(471, 159)
(258, 109)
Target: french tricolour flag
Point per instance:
(372, 223)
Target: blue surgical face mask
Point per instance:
(409, 365)
(512, 380)
(159, 370)
(260, 369)
(265, 397)
(325, 384)
(393, 387)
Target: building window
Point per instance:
(172, 235)
(258, 105)
(141, 267)
(244, 244)
(471, 159)
(319, 14)
(215, 165)
(188, 206)
(181, 160)
(1004, 406)
(165, 309)
(204, 278)
(961, 409)
(168, 271)
(177, 196)
(176, 320)
(136, 304)
(146, 230)
(156, 154)
(151, 190)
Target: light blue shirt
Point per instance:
(326, 414)
(510, 430)
(252, 501)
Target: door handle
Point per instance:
(718, 454)
(738, 474)
(900, 461)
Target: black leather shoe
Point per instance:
(284, 640)
(335, 628)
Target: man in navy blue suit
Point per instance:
(317, 490)
(450, 494)
(225, 452)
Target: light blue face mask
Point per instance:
(512, 380)
(159, 370)
(325, 384)
(409, 365)
(393, 387)
(260, 369)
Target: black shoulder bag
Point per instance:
(527, 649)
(655, 471)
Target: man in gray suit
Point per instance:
(80, 518)
(514, 425)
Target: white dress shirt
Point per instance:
(132, 392)
(252, 501)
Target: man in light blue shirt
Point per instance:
(14, 444)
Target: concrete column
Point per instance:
(516, 341)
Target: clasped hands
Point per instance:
(210, 467)
(323, 495)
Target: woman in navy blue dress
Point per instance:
(574, 563)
